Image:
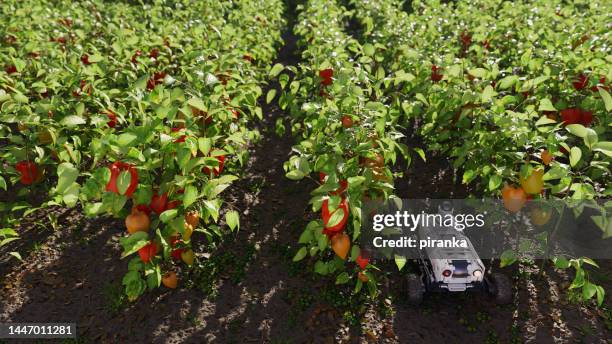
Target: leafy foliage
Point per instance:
(135, 106)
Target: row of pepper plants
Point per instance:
(347, 140)
(523, 110)
(137, 111)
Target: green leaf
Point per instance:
(355, 181)
(561, 262)
(322, 242)
(168, 215)
(478, 72)
(589, 261)
(578, 279)
(197, 103)
(142, 195)
(306, 236)
(190, 195)
(301, 253)
(133, 243)
(295, 175)
(355, 250)
(336, 217)
(488, 94)
(494, 182)
(603, 224)
(7, 240)
(72, 120)
(582, 190)
(2, 183)
(544, 121)
(600, 295)
(343, 278)
(575, 155)
(211, 79)
(591, 138)
(604, 147)
(468, 176)
(154, 279)
(507, 82)
(368, 49)
(577, 129)
(400, 261)
(555, 172)
(275, 70)
(546, 105)
(401, 76)
(141, 83)
(94, 209)
(213, 208)
(95, 58)
(270, 96)
(20, 98)
(80, 109)
(529, 84)
(18, 256)
(123, 182)
(67, 174)
(420, 97)
(177, 224)
(8, 232)
(321, 268)
(71, 195)
(232, 219)
(605, 96)
(303, 165)
(358, 286)
(204, 145)
(127, 140)
(588, 290)
(421, 153)
(134, 285)
(507, 258)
